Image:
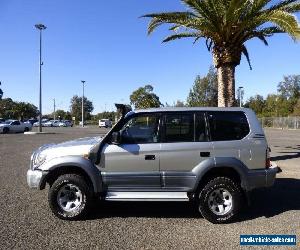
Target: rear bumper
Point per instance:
(262, 178)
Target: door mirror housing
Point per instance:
(116, 138)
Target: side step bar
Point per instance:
(146, 196)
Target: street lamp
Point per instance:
(241, 95)
(40, 27)
(82, 103)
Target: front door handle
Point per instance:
(149, 157)
(205, 154)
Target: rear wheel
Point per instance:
(220, 200)
(26, 129)
(5, 130)
(70, 197)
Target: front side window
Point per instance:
(15, 123)
(179, 128)
(228, 126)
(140, 129)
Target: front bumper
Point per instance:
(262, 178)
(34, 178)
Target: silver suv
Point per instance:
(211, 156)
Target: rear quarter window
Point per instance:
(228, 126)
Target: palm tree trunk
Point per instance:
(226, 85)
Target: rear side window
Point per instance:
(179, 128)
(228, 126)
(200, 127)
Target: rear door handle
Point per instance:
(205, 154)
(149, 157)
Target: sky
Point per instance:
(106, 44)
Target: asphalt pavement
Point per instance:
(26, 221)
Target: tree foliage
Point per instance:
(105, 115)
(76, 108)
(10, 109)
(284, 103)
(226, 25)
(144, 97)
(204, 92)
(62, 115)
(257, 104)
(1, 93)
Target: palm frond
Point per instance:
(168, 17)
(286, 22)
(281, 5)
(182, 35)
(246, 54)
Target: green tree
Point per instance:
(289, 88)
(76, 109)
(257, 104)
(144, 97)
(24, 110)
(105, 115)
(227, 25)
(276, 105)
(296, 111)
(204, 92)
(179, 104)
(60, 114)
(7, 108)
(1, 93)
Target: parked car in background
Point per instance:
(65, 123)
(2, 120)
(36, 124)
(80, 123)
(52, 123)
(105, 123)
(14, 126)
(32, 121)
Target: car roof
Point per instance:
(182, 109)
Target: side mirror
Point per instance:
(116, 138)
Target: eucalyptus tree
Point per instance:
(226, 25)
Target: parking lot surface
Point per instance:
(26, 221)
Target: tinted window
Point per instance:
(200, 128)
(179, 128)
(141, 129)
(227, 126)
(15, 123)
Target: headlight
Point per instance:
(39, 159)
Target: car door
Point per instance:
(16, 126)
(185, 145)
(134, 163)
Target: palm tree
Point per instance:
(226, 25)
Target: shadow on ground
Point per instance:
(283, 196)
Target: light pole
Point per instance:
(241, 95)
(82, 104)
(40, 27)
(54, 109)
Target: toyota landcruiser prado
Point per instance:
(211, 156)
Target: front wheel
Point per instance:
(70, 197)
(220, 200)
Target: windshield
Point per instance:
(7, 122)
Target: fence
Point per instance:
(280, 122)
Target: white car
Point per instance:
(14, 126)
(36, 124)
(65, 123)
(51, 123)
(105, 123)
